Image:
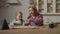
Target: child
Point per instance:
(17, 21)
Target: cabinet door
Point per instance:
(57, 6)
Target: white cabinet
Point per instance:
(47, 6)
(57, 6)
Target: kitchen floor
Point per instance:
(41, 30)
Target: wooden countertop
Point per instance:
(32, 30)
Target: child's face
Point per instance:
(18, 16)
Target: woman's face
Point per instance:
(31, 11)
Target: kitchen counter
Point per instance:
(32, 30)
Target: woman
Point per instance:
(17, 21)
(34, 18)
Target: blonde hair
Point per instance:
(19, 13)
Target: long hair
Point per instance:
(19, 13)
(35, 10)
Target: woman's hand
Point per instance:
(27, 21)
(32, 20)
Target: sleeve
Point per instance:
(12, 23)
(40, 20)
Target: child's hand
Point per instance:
(17, 22)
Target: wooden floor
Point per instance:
(41, 30)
